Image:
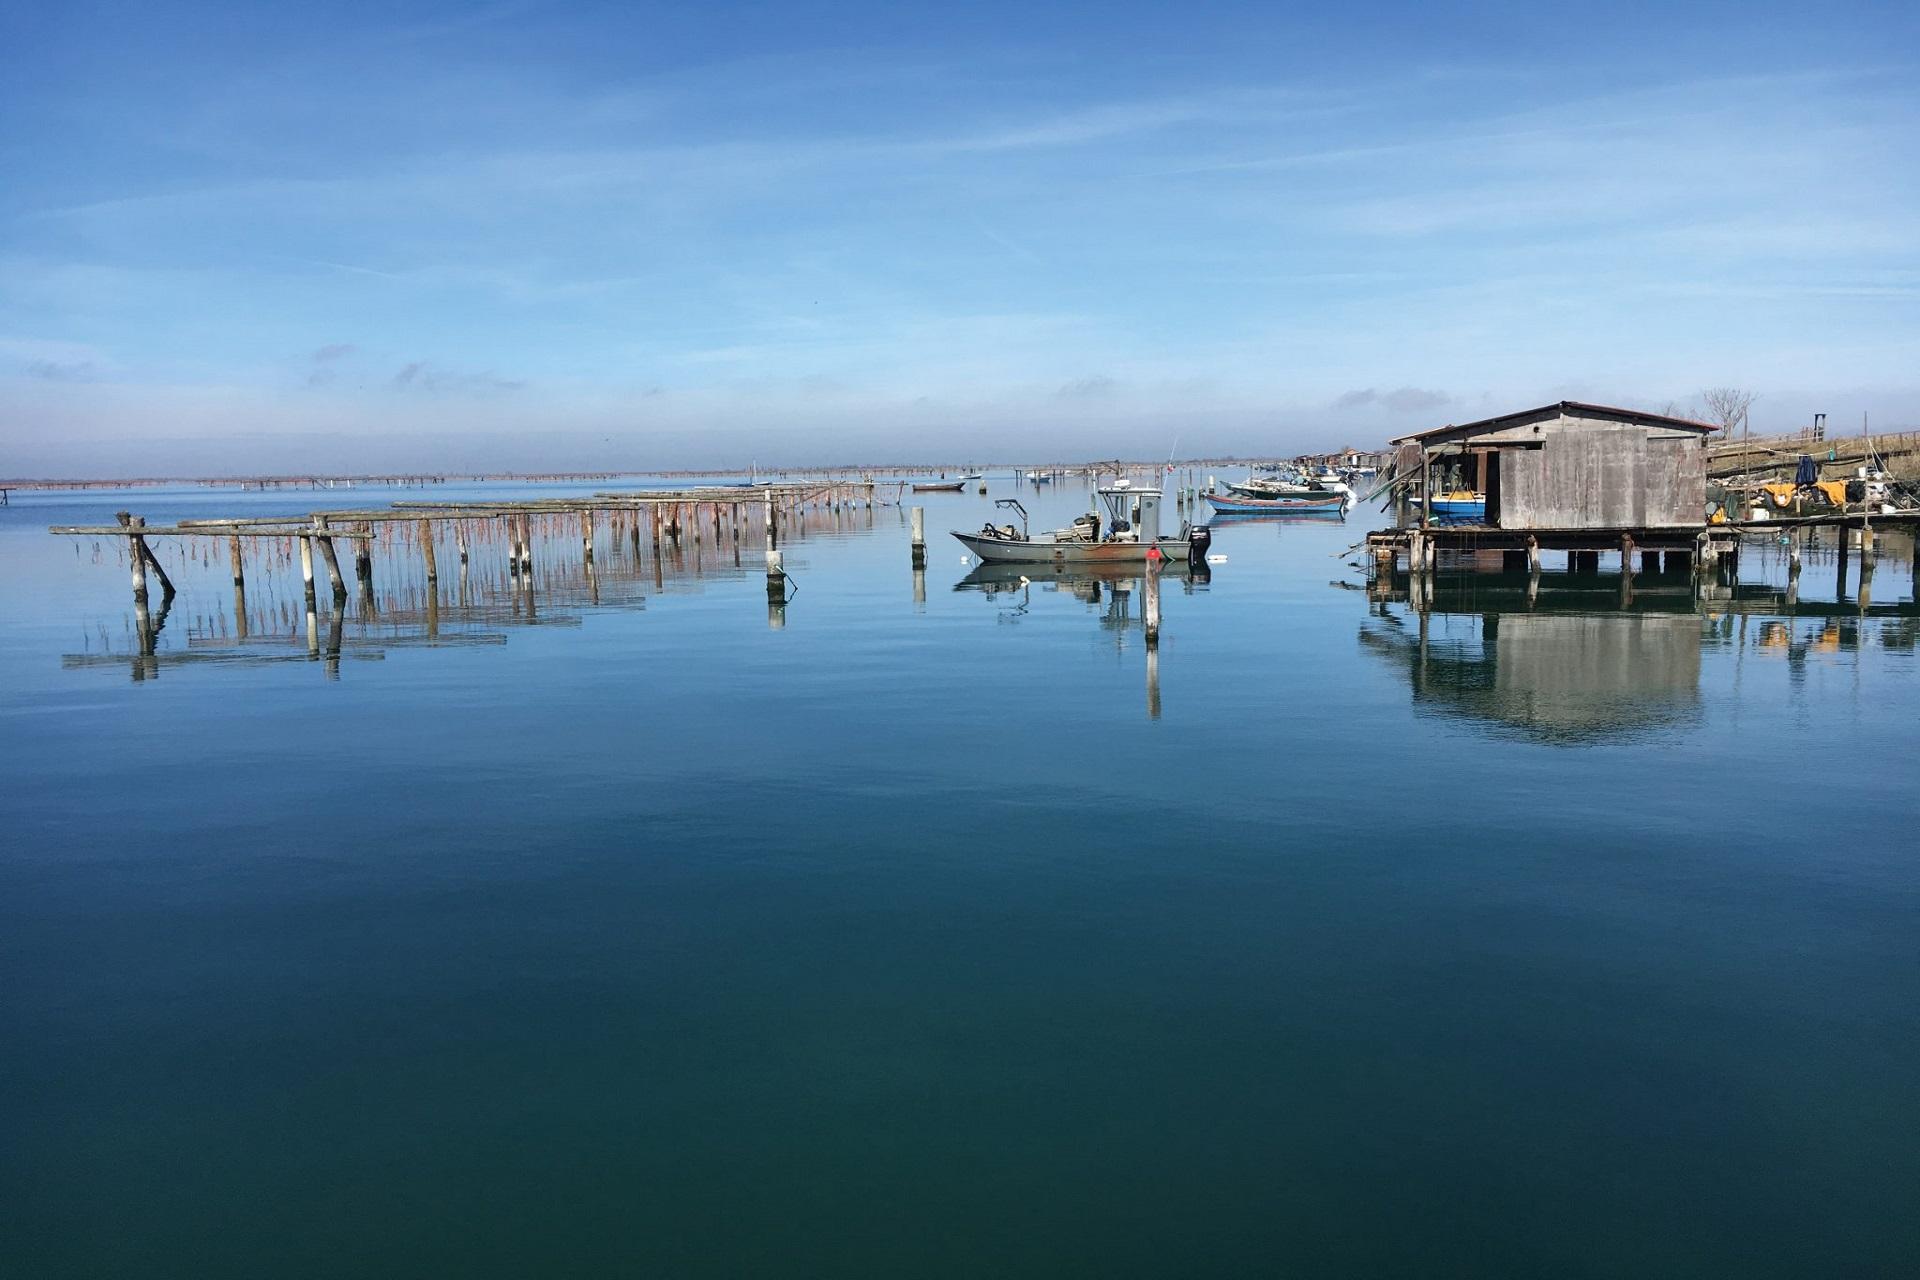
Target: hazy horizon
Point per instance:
(547, 236)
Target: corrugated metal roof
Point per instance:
(1577, 408)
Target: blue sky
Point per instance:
(522, 234)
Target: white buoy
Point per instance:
(1216, 559)
(965, 560)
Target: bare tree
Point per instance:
(1727, 406)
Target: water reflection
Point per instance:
(1587, 658)
(1109, 590)
(488, 583)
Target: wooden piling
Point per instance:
(331, 558)
(586, 536)
(1533, 554)
(233, 554)
(919, 537)
(426, 549)
(138, 563)
(460, 539)
(776, 576)
(1153, 597)
(306, 571)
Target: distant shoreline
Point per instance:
(407, 479)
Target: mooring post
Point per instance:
(1626, 555)
(233, 554)
(1153, 597)
(460, 540)
(426, 549)
(328, 554)
(776, 576)
(1533, 554)
(586, 536)
(143, 556)
(306, 574)
(526, 549)
(919, 537)
(653, 509)
(773, 534)
(138, 561)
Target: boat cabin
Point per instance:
(1565, 466)
(1132, 514)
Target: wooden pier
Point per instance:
(414, 539)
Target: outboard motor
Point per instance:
(1199, 538)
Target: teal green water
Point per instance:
(934, 932)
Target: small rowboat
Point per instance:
(1236, 505)
(941, 486)
(1463, 507)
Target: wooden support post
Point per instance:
(137, 561)
(1152, 606)
(460, 539)
(776, 576)
(1626, 555)
(526, 549)
(586, 537)
(426, 549)
(363, 560)
(1533, 554)
(653, 509)
(233, 554)
(153, 562)
(919, 537)
(306, 571)
(773, 533)
(332, 559)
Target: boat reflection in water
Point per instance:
(1111, 588)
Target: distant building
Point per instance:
(1566, 466)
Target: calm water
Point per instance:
(933, 932)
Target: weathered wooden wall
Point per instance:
(1603, 475)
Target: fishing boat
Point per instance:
(1300, 500)
(1129, 532)
(940, 486)
(1462, 506)
(1039, 477)
(1285, 487)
